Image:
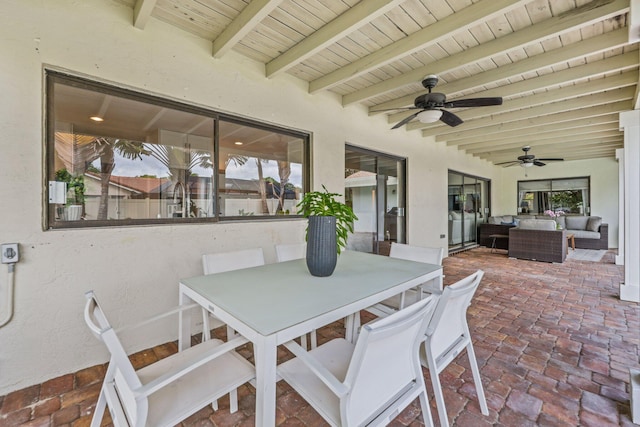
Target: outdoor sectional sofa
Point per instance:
(589, 231)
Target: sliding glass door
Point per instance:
(375, 189)
(468, 205)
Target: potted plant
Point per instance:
(75, 194)
(330, 223)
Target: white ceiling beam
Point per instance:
(536, 33)
(341, 26)
(552, 148)
(592, 46)
(550, 140)
(482, 140)
(253, 13)
(142, 12)
(492, 146)
(430, 35)
(573, 149)
(566, 117)
(624, 94)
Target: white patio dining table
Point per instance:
(275, 303)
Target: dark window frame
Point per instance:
(49, 218)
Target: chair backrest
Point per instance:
(290, 251)
(234, 260)
(417, 253)
(121, 375)
(385, 362)
(449, 322)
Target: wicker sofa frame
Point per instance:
(487, 230)
(601, 243)
(538, 245)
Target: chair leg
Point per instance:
(437, 390)
(314, 339)
(476, 378)
(98, 412)
(426, 411)
(233, 400)
(303, 341)
(214, 405)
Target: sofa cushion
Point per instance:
(495, 220)
(594, 223)
(537, 224)
(577, 222)
(584, 234)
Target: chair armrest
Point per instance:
(189, 365)
(338, 388)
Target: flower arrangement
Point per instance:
(553, 214)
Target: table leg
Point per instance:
(184, 324)
(265, 355)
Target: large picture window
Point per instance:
(116, 157)
(569, 195)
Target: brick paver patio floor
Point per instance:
(553, 341)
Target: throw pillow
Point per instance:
(455, 215)
(576, 222)
(594, 223)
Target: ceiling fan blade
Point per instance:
(538, 163)
(394, 109)
(552, 160)
(507, 164)
(473, 102)
(406, 120)
(450, 118)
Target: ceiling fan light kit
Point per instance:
(429, 116)
(526, 165)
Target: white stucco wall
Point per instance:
(604, 187)
(135, 270)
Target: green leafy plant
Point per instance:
(323, 203)
(75, 186)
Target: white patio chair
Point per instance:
(448, 334)
(171, 389)
(368, 383)
(411, 253)
(289, 252)
(219, 263)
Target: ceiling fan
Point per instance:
(432, 105)
(528, 160)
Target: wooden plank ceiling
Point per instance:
(564, 68)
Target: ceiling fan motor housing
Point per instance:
(430, 100)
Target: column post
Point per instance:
(630, 203)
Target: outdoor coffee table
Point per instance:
(571, 240)
(494, 237)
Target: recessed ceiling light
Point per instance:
(238, 142)
(96, 119)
